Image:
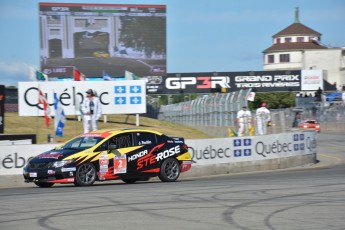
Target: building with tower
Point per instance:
(298, 47)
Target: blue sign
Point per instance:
(135, 89)
(237, 153)
(120, 100)
(120, 89)
(135, 100)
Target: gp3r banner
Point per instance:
(259, 81)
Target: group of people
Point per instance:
(245, 121)
(92, 111)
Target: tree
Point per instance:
(146, 34)
(274, 100)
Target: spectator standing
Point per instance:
(244, 120)
(263, 118)
(92, 111)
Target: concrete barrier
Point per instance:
(209, 156)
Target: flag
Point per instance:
(232, 133)
(131, 76)
(107, 77)
(41, 76)
(78, 76)
(251, 96)
(60, 118)
(42, 100)
(251, 130)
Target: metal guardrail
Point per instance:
(214, 114)
(219, 109)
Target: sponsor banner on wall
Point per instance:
(2, 108)
(251, 148)
(116, 97)
(261, 81)
(203, 151)
(14, 157)
(312, 79)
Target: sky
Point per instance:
(202, 35)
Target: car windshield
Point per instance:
(82, 143)
(311, 122)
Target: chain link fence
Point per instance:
(215, 114)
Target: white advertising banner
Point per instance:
(251, 148)
(312, 79)
(14, 157)
(203, 151)
(116, 97)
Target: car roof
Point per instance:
(110, 132)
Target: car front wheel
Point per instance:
(170, 170)
(85, 175)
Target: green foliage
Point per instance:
(144, 34)
(274, 100)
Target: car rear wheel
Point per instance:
(85, 175)
(170, 170)
(43, 184)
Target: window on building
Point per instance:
(300, 39)
(284, 57)
(278, 40)
(270, 58)
(287, 40)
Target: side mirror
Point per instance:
(112, 147)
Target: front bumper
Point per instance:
(51, 175)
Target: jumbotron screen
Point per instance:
(102, 38)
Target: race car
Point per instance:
(129, 155)
(312, 124)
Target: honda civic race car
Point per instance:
(127, 154)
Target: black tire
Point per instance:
(130, 181)
(170, 170)
(43, 184)
(86, 175)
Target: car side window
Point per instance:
(145, 138)
(122, 140)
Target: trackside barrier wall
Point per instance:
(209, 156)
(252, 153)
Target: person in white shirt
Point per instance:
(244, 120)
(92, 111)
(263, 117)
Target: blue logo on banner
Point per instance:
(237, 153)
(247, 142)
(135, 100)
(301, 147)
(296, 147)
(295, 137)
(237, 142)
(301, 137)
(120, 100)
(247, 152)
(120, 89)
(135, 89)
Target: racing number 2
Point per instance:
(120, 164)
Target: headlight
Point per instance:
(58, 164)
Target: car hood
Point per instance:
(54, 155)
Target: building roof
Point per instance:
(297, 28)
(294, 46)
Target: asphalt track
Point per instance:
(309, 197)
